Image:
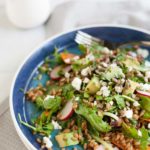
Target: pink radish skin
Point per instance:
(143, 93)
(55, 72)
(67, 111)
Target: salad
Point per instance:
(99, 99)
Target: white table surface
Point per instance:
(16, 44)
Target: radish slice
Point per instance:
(67, 111)
(99, 147)
(55, 73)
(143, 93)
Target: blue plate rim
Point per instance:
(26, 142)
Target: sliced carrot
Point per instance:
(67, 57)
(46, 113)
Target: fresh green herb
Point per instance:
(86, 95)
(46, 129)
(98, 97)
(145, 103)
(52, 103)
(95, 121)
(68, 91)
(146, 115)
(128, 98)
(109, 99)
(39, 102)
(42, 69)
(130, 131)
(120, 101)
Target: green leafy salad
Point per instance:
(99, 99)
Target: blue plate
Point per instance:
(26, 73)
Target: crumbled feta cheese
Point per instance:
(76, 83)
(47, 142)
(90, 57)
(67, 75)
(77, 99)
(111, 103)
(86, 80)
(118, 89)
(147, 63)
(85, 71)
(113, 65)
(133, 54)
(104, 64)
(148, 125)
(67, 60)
(56, 125)
(48, 97)
(139, 133)
(105, 91)
(144, 87)
(95, 103)
(128, 113)
(136, 104)
(147, 74)
(106, 50)
(143, 52)
(76, 58)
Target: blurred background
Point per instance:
(26, 23)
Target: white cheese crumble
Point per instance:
(104, 64)
(106, 50)
(67, 75)
(76, 58)
(136, 104)
(77, 99)
(144, 87)
(118, 89)
(47, 142)
(105, 91)
(86, 80)
(128, 113)
(143, 52)
(67, 60)
(76, 83)
(139, 133)
(48, 97)
(111, 103)
(148, 126)
(85, 71)
(90, 57)
(147, 74)
(95, 103)
(56, 125)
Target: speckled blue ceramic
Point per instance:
(26, 73)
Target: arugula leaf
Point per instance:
(39, 102)
(144, 139)
(130, 131)
(146, 115)
(46, 129)
(95, 121)
(52, 103)
(120, 101)
(68, 91)
(112, 72)
(145, 103)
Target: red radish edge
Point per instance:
(143, 93)
(54, 73)
(67, 111)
